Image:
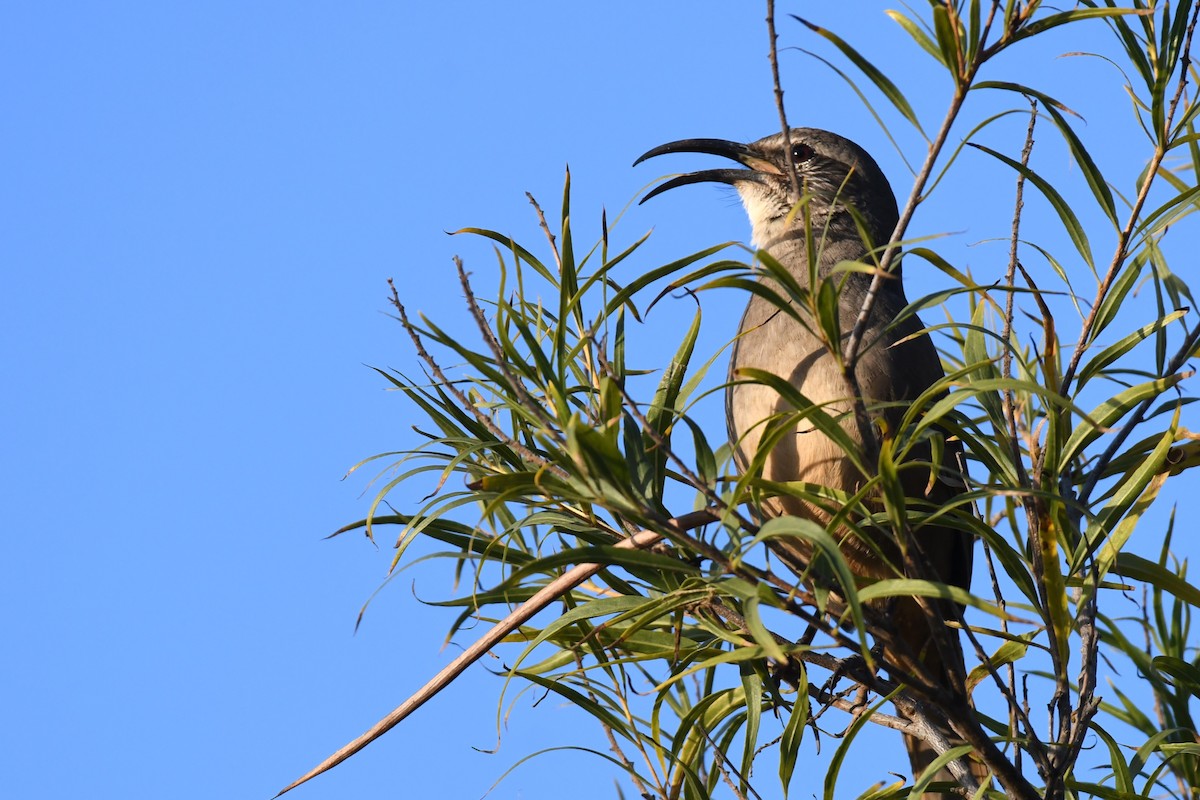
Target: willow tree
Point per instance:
(620, 553)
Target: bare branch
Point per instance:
(773, 57)
(519, 616)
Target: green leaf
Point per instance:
(828, 301)
(975, 37)
(1169, 212)
(692, 738)
(806, 410)
(1117, 762)
(976, 353)
(1065, 214)
(1118, 293)
(1133, 495)
(1184, 675)
(1051, 543)
(866, 101)
(759, 633)
(752, 688)
(661, 414)
(1128, 565)
(582, 701)
(1064, 17)
(919, 35)
(1114, 351)
(1101, 419)
(1159, 742)
(793, 732)
(1009, 652)
(930, 775)
(517, 250)
(893, 491)
(1091, 172)
(823, 547)
(1086, 789)
(658, 273)
(912, 587)
(947, 40)
(740, 655)
(839, 755)
(881, 81)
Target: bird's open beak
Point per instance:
(743, 154)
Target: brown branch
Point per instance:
(1089, 704)
(546, 230)
(773, 57)
(519, 616)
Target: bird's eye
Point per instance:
(801, 153)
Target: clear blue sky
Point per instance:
(201, 203)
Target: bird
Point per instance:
(846, 214)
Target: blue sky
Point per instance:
(202, 204)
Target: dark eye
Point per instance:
(801, 153)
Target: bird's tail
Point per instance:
(921, 755)
(951, 670)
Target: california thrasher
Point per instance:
(848, 214)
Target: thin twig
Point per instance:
(1089, 648)
(773, 57)
(725, 766)
(1015, 712)
(613, 744)
(891, 253)
(1009, 397)
(1037, 748)
(524, 452)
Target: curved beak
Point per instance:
(756, 164)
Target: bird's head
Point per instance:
(835, 175)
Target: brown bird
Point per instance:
(851, 213)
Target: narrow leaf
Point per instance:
(1108, 355)
(1065, 214)
(881, 81)
(1064, 17)
(1135, 567)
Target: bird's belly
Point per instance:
(801, 453)
(783, 347)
